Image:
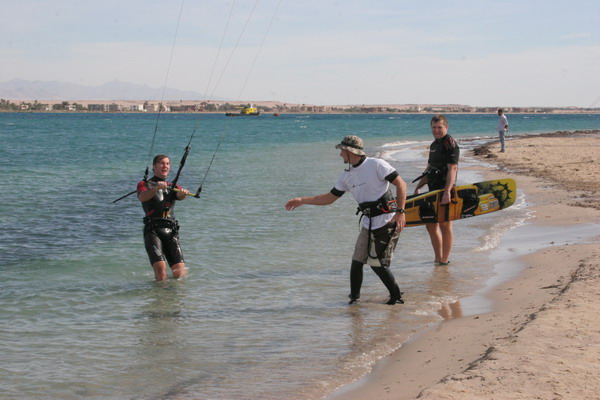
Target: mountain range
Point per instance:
(19, 89)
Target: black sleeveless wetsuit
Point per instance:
(442, 152)
(161, 230)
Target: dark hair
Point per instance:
(500, 110)
(159, 158)
(439, 118)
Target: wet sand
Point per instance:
(542, 338)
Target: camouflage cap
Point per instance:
(353, 144)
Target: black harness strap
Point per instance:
(385, 205)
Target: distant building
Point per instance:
(104, 107)
(96, 107)
(184, 108)
(136, 107)
(151, 107)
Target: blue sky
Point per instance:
(510, 53)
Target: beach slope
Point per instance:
(542, 338)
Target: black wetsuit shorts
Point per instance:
(162, 243)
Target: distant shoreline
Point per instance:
(270, 113)
(265, 107)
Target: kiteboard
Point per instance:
(467, 201)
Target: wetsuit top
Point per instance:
(442, 152)
(161, 205)
(367, 181)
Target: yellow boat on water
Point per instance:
(249, 111)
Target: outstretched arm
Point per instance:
(318, 200)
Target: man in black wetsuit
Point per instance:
(441, 172)
(161, 230)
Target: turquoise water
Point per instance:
(264, 311)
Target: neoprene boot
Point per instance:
(356, 280)
(386, 276)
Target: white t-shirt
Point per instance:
(367, 183)
(502, 122)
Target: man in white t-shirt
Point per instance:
(368, 180)
(502, 128)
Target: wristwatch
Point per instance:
(400, 210)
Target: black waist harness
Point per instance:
(385, 205)
(161, 223)
(436, 178)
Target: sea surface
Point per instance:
(263, 313)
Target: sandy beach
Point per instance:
(542, 338)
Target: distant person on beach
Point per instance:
(161, 230)
(369, 180)
(441, 172)
(502, 128)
